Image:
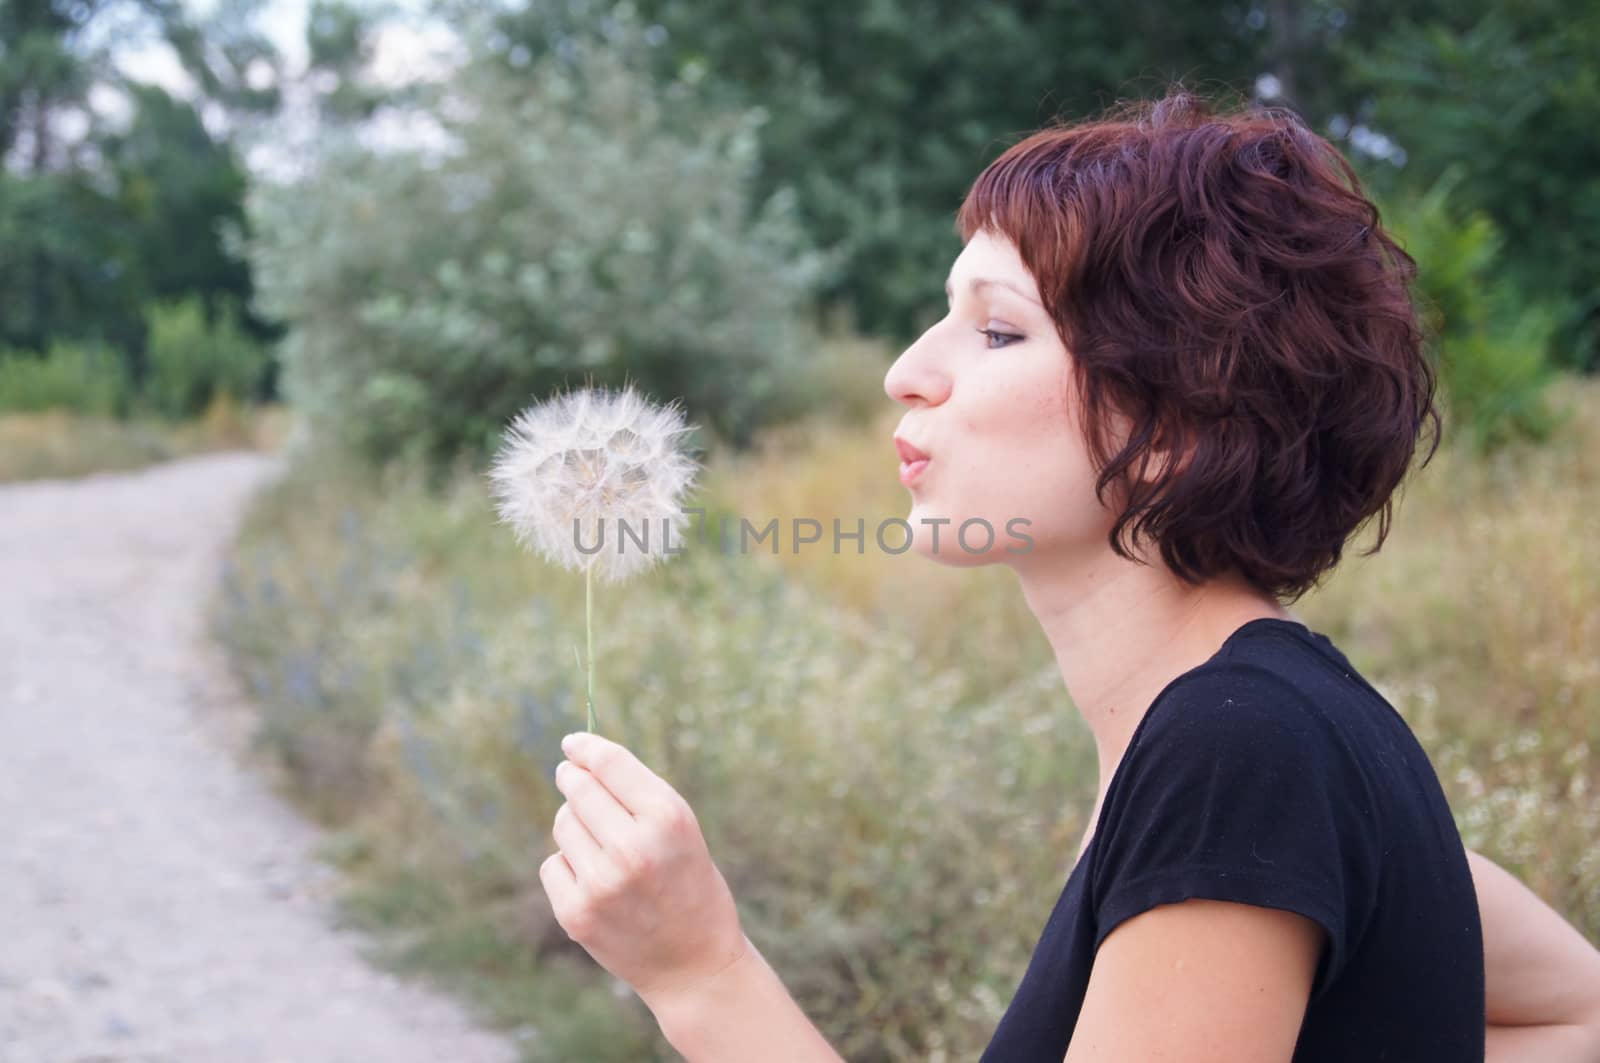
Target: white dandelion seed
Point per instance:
(578, 469)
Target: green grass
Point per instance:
(880, 751)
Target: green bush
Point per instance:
(1491, 345)
(81, 378)
(1497, 377)
(585, 225)
(191, 361)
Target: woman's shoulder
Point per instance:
(1274, 775)
(1277, 724)
(1239, 785)
(1276, 717)
(1232, 708)
(1275, 689)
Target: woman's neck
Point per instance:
(1122, 631)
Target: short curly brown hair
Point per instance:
(1221, 281)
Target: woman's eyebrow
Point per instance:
(979, 283)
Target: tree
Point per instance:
(177, 186)
(1509, 100)
(585, 225)
(880, 116)
(96, 221)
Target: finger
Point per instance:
(637, 789)
(578, 846)
(560, 884)
(611, 825)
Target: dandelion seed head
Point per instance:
(577, 467)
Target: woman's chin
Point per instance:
(960, 543)
(958, 558)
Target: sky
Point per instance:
(408, 46)
(153, 61)
(404, 46)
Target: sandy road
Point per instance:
(157, 902)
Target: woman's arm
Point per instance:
(745, 1013)
(1201, 981)
(1541, 978)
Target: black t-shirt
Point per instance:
(1274, 775)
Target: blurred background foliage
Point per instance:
(584, 224)
(750, 208)
(689, 195)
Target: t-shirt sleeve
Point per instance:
(1236, 789)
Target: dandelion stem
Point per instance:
(588, 619)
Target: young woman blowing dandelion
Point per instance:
(1181, 346)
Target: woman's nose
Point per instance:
(915, 377)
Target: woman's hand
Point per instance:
(633, 882)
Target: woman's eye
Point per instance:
(993, 335)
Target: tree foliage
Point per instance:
(883, 113)
(1508, 102)
(584, 225)
(1489, 341)
(865, 125)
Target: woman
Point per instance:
(1181, 348)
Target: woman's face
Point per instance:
(992, 412)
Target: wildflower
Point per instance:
(583, 461)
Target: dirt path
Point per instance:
(157, 902)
